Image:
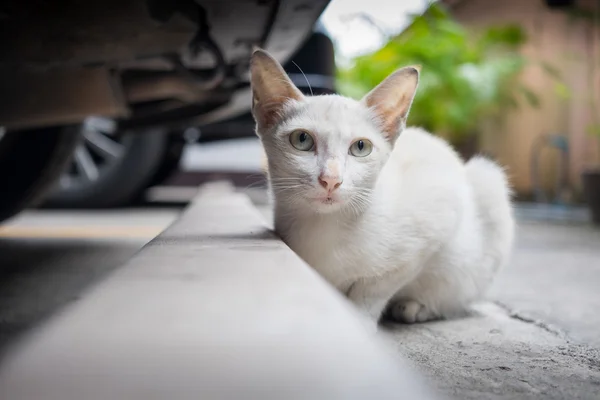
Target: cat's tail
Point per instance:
(493, 198)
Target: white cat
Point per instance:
(389, 215)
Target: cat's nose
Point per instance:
(330, 182)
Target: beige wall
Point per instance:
(567, 44)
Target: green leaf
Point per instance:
(467, 77)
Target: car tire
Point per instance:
(121, 182)
(30, 163)
(170, 162)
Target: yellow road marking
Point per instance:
(82, 232)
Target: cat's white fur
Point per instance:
(411, 226)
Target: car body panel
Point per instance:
(127, 41)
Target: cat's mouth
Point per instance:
(327, 200)
(326, 203)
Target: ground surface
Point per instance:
(49, 259)
(537, 337)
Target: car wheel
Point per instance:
(109, 168)
(170, 162)
(30, 163)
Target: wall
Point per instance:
(571, 46)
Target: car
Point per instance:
(91, 81)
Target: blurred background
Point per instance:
(517, 81)
(110, 124)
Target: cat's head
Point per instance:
(325, 153)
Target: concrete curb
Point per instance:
(216, 307)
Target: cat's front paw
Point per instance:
(409, 312)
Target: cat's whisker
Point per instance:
(295, 178)
(358, 203)
(287, 181)
(284, 189)
(359, 206)
(352, 208)
(254, 185)
(286, 184)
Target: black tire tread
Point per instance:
(30, 164)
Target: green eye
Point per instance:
(361, 148)
(302, 140)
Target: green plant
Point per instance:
(466, 78)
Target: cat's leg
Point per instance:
(442, 289)
(371, 295)
(410, 311)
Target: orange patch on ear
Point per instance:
(392, 98)
(271, 88)
(391, 122)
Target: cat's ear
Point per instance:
(391, 100)
(271, 88)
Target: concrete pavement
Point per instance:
(536, 337)
(494, 355)
(49, 259)
(554, 277)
